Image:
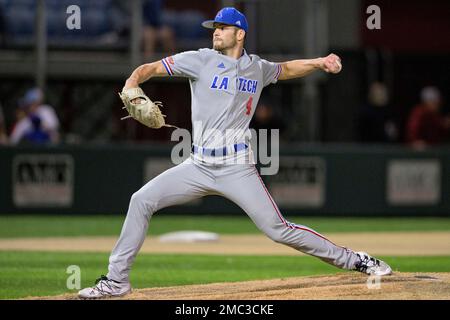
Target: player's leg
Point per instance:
(244, 186)
(177, 185)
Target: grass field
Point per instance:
(60, 226)
(44, 273)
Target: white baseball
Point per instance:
(338, 62)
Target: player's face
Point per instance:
(224, 37)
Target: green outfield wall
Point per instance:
(311, 180)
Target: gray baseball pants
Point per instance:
(239, 183)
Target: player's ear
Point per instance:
(240, 34)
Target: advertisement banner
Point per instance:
(300, 182)
(413, 182)
(43, 180)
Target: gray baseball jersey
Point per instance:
(225, 92)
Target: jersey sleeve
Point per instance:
(185, 64)
(271, 71)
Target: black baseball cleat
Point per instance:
(371, 265)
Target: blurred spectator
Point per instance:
(265, 117)
(31, 107)
(3, 136)
(375, 123)
(426, 125)
(155, 31)
(16, 129)
(37, 135)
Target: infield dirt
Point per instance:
(376, 243)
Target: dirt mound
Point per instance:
(351, 285)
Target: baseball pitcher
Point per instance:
(226, 83)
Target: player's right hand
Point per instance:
(332, 64)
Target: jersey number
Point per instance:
(249, 106)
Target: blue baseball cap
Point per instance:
(229, 16)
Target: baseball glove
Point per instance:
(142, 109)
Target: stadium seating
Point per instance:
(102, 24)
(187, 27)
(96, 22)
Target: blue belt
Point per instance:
(218, 151)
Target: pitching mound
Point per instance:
(403, 286)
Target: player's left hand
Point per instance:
(332, 64)
(142, 109)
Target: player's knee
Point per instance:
(275, 235)
(279, 235)
(136, 200)
(277, 238)
(140, 202)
